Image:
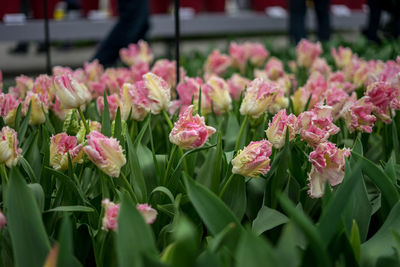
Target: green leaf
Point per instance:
(105, 118)
(24, 125)
(76, 208)
(136, 175)
(131, 227)
(254, 251)
(355, 241)
(235, 196)
(267, 219)
(214, 213)
(232, 130)
(38, 194)
(379, 177)
(288, 245)
(331, 214)
(210, 173)
(382, 243)
(118, 126)
(28, 169)
(18, 119)
(66, 250)
(28, 236)
(309, 230)
(164, 190)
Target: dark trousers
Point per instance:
(132, 25)
(297, 10)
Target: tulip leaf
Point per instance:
(17, 120)
(76, 208)
(380, 178)
(232, 129)
(105, 118)
(131, 226)
(355, 240)
(235, 196)
(254, 251)
(214, 213)
(28, 169)
(24, 125)
(382, 243)
(28, 236)
(267, 219)
(66, 251)
(310, 231)
(118, 126)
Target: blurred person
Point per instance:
(374, 18)
(297, 14)
(132, 26)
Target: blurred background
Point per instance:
(79, 28)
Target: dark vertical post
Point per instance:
(177, 40)
(46, 37)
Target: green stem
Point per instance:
(244, 122)
(185, 166)
(4, 173)
(169, 166)
(170, 124)
(128, 187)
(84, 120)
(133, 130)
(226, 185)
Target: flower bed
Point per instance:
(257, 161)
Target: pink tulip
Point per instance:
(159, 92)
(136, 53)
(316, 126)
(217, 90)
(342, 56)
(113, 103)
(337, 79)
(111, 212)
(9, 151)
(105, 153)
(135, 101)
(38, 108)
(167, 71)
(93, 70)
(23, 85)
(307, 52)
(336, 98)
(239, 56)
(381, 94)
(237, 84)
(358, 115)
(261, 96)
(327, 165)
(60, 145)
(190, 131)
(256, 53)
(320, 65)
(42, 87)
(3, 220)
(253, 160)
(8, 107)
(138, 70)
(149, 214)
(274, 68)
(189, 88)
(217, 64)
(70, 92)
(277, 129)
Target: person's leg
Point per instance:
(132, 26)
(374, 18)
(323, 19)
(297, 13)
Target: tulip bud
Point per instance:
(136, 53)
(71, 123)
(342, 56)
(93, 126)
(9, 151)
(260, 96)
(216, 64)
(274, 68)
(328, 165)
(218, 92)
(3, 220)
(37, 115)
(105, 153)
(159, 92)
(149, 214)
(60, 145)
(237, 84)
(253, 160)
(307, 52)
(277, 129)
(134, 101)
(111, 212)
(71, 93)
(93, 70)
(166, 70)
(190, 131)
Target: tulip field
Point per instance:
(253, 158)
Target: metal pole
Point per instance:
(46, 38)
(177, 40)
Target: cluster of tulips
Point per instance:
(333, 102)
